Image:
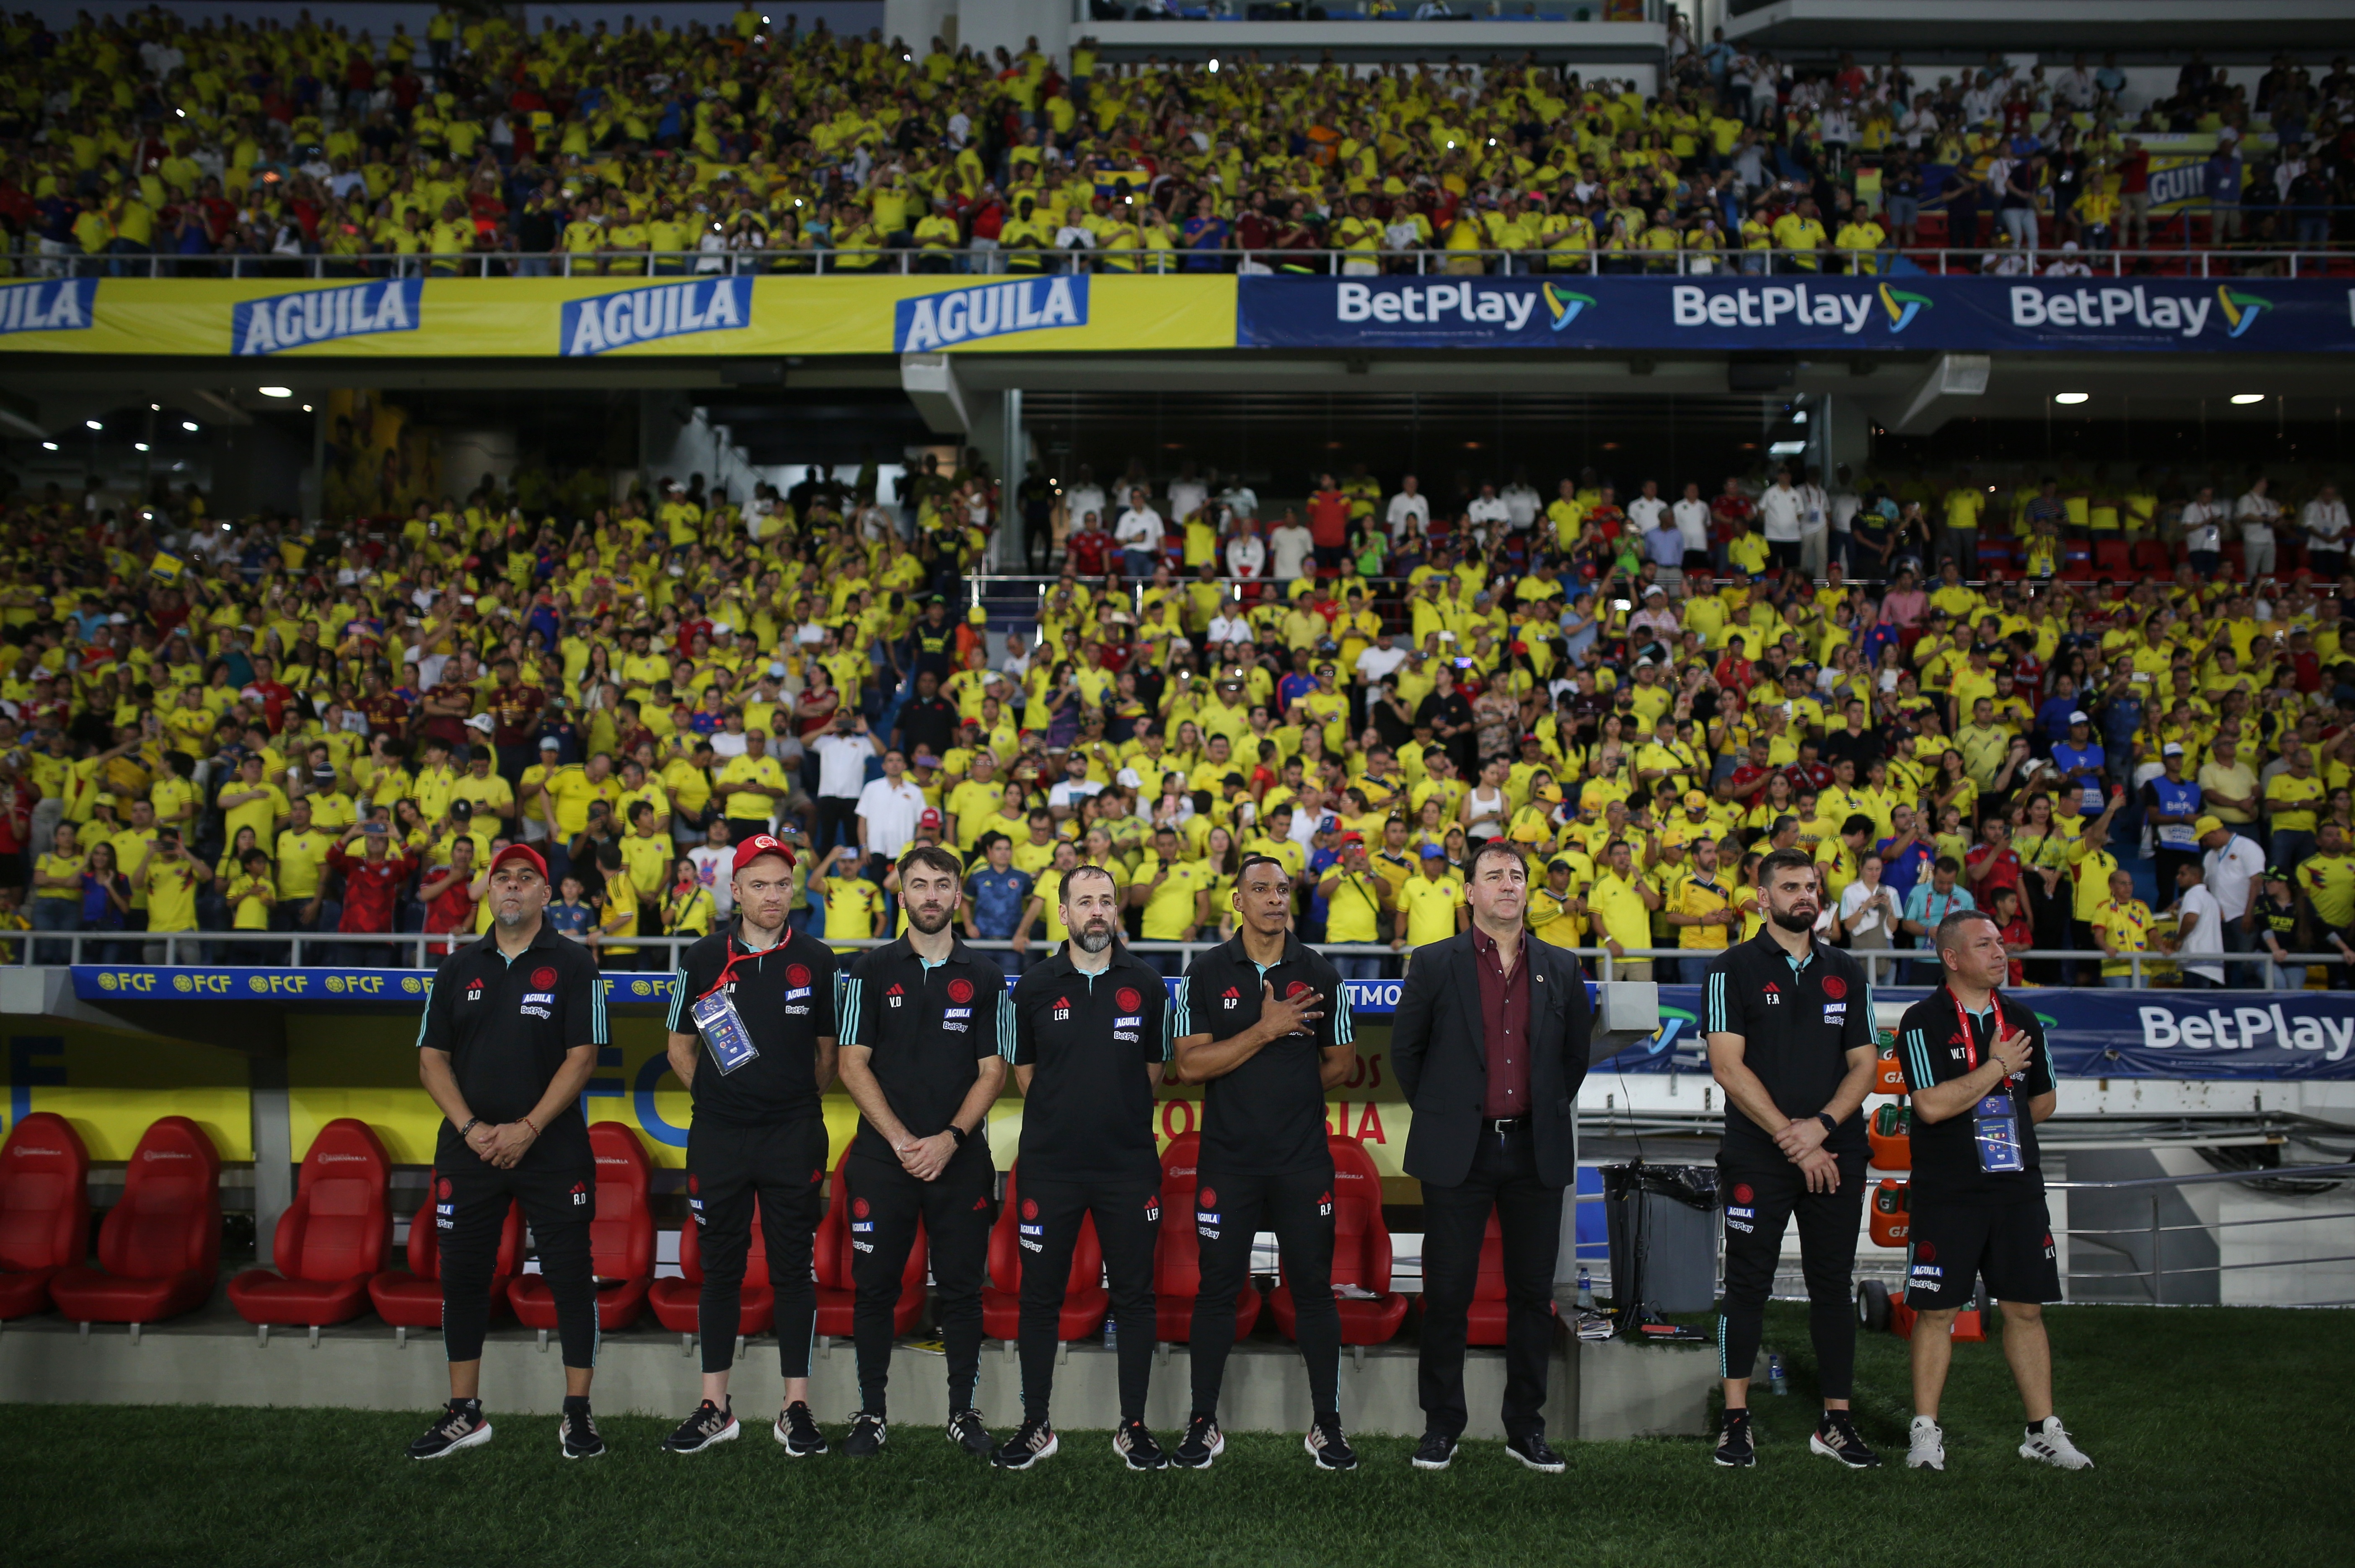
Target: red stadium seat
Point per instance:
(44, 1210)
(411, 1297)
(621, 1238)
(838, 1289)
(1484, 1320)
(678, 1303)
(1362, 1253)
(2153, 557)
(1085, 1300)
(1177, 1257)
(2113, 557)
(159, 1248)
(2234, 565)
(331, 1240)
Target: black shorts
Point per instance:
(1951, 1245)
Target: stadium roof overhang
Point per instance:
(1472, 40)
(2015, 26)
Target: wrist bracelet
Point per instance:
(472, 1123)
(957, 1132)
(528, 1122)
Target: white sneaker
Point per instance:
(2051, 1446)
(1926, 1450)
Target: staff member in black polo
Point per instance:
(1980, 1079)
(511, 1030)
(752, 1038)
(1088, 1050)
(1263, 1023)
(1790, 1022)
(926, 1031)
(1489, 1042)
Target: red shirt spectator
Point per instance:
(1329, 519)
(1988, 868)
(372, 883)
(1086, 547)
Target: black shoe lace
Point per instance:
(1329, 1435)
(456, 1424)
(1199, 1430)
(1032, 1435)
(800, 1423)
(1840, 1428)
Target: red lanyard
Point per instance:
(1970, 1040)
(727, 970)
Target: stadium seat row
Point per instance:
(159, 1247)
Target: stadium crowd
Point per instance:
(143, 141)
(330, 729)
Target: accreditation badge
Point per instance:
(731, 1042)
(1995, 1132)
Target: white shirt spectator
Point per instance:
(889, 811)
(1692, 522)
(1778, 513)
(1229, 626)
(2203, 525)
(1815, 508)
(1853, 901)
(726, 747)
(1377, 662)
(2206, 936)
(1138, 528)
(1408, 515)
(1068, 794)
(2256, 514)
(1081, 499)
(1292, 546)
(2325, 523)
(1520, 507)
(841, 764)
(1845, 504)
(2230, 870)
(1246, 556)
(1243, 498)
(715, 870)
(1645, 511)
(1187, 497)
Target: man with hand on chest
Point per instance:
(1789, 1023)
(1264, 1024)
(752, 1037)
(1980, 1079)
(926, 1029)
(1088, 1052)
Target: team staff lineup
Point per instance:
(924, 1032)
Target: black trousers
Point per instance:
(1754, 1245)
(1128, 1224)
(1503, 1178)
(837, 818)
(727, 1168)
(1229, 1210)
(956, 1209)
(555, 1182)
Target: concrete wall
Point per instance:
(988, 24)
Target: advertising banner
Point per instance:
(477, 318)
(1797, 312)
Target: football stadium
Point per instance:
(1681, 662)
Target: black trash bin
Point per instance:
(1663, 1231)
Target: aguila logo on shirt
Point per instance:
(960, 991)
(1127, 999)
(858, 1208)
(1835, 987)
(1030, 1209)
(797, 974)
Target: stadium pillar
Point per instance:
(1013, 549)
(273, 1149)
(1841, 433)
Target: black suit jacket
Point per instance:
(1438, 1049)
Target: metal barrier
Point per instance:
(1046, 261)
(424, 950)
(2155, 1278)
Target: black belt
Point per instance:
(1503, 1125)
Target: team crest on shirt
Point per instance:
(1127, 999)
(797, 974)
(543, 978)
(1835, 987)
(961, 992)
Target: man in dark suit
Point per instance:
(1489, 1042)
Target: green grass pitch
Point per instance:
(2219, 1435)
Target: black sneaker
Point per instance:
(1133, 1441)
(796, 1430)
(1435, 1452)
(1327, 1446)
(1203, 1443)
(1034, 1441)
(578, 1437)
(1530, 1448)
(461, 1425)
(866, 1437)
(707, 1425)
(1736, 1450)
(966, 1430)
(1836, 1438)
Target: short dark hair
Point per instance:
(1948, 864)
(1948, 933)
(1857, 821)
(1785, 860)
(1490, 848)
(932, 857)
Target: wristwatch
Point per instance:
(472, 1123)
(1829, 1126)
(957, 1132)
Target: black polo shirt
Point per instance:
(927, 1029)
(508, 1023)
(1267, 1116)
(1932, 1048)
(1797, 1021)
(1089, 1113)
(785, 995)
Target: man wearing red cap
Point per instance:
(752, 1038)
(513, 1023)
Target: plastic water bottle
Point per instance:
(1112, 1333)
(1776, 1382)
(1585, 1292)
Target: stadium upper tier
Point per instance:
(146, 145)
